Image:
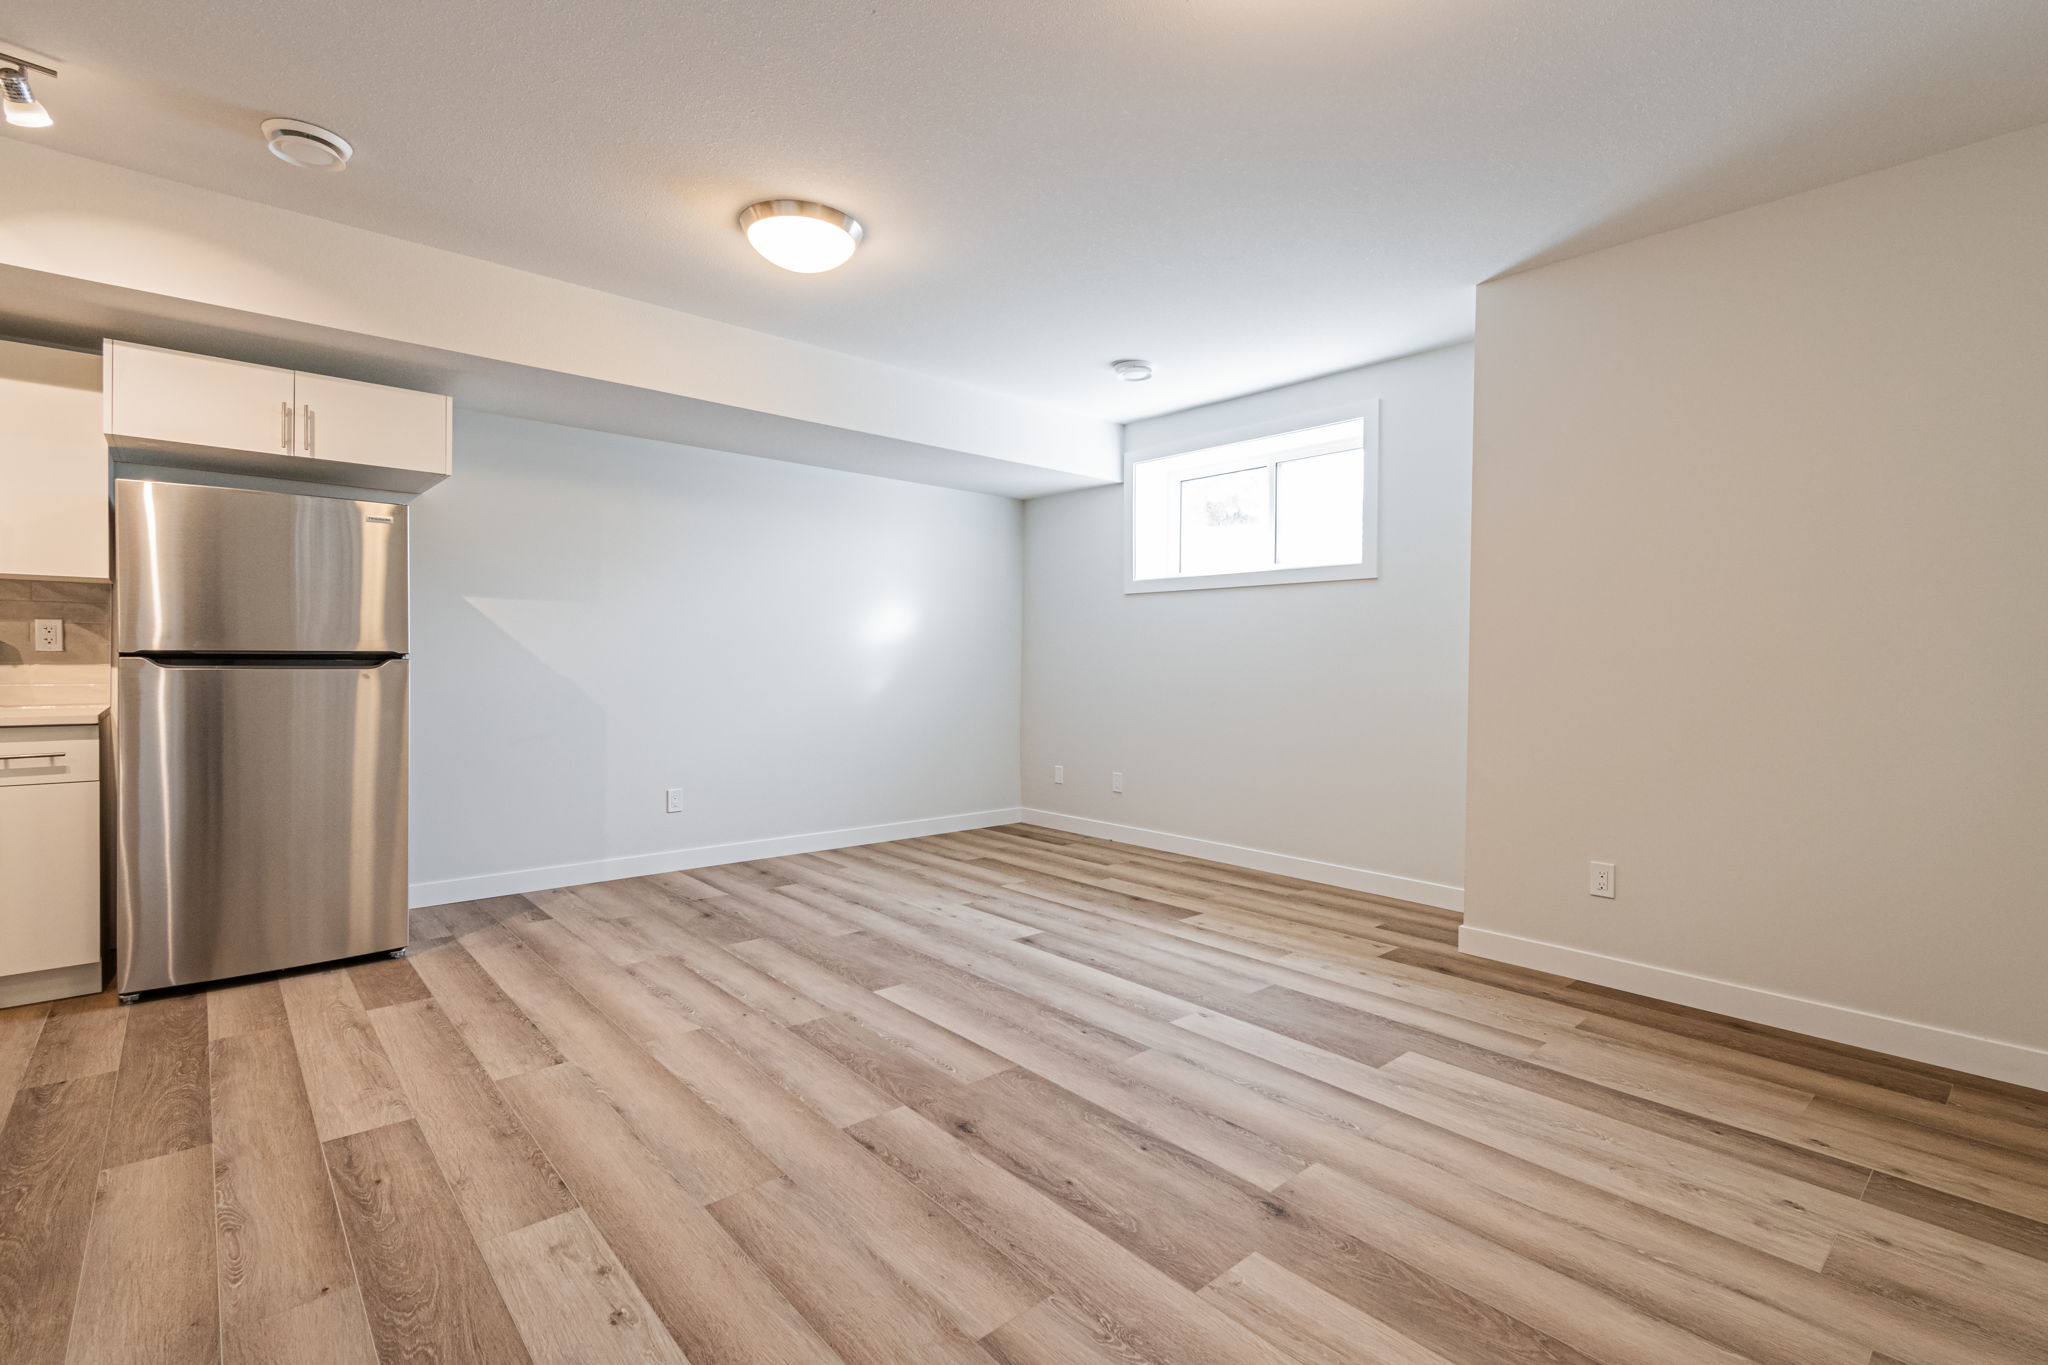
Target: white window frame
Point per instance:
(1292, 440)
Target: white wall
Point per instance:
(1318, 721)
(598, 618)
(1760, 612)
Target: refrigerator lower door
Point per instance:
(259, 816)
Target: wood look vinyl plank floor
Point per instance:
(1001, 1097)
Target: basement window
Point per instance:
(1296, 507)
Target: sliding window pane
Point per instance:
(1226, 523)
(1322, 509)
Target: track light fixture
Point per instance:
(23, 110)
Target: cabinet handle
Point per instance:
(309, 428)
(285, 436)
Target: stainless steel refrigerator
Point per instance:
(258, 731)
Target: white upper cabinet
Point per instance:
(157, 399)
(207, 413)
(53, 465)
(373, 424)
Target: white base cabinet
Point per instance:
(50, 931)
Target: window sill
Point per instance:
(1329, 573)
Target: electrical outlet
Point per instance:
(1059, 772)
(50, 635)
(675, 800)
(1603, 880)
(1116, 782)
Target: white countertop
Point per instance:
(51, 703)
(83, 714)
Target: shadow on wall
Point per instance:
(522, 766)
(599, 621)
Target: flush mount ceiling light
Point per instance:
(306, 144)
(22, 109)
(1131, 371)
(799, 235)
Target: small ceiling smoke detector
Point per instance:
(306, 144)
(799, 235)
(1131, 371)
(22, 109)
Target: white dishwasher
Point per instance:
(49, 862)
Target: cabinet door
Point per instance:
(170, 398)
(50, 897)
(354, 423)
(53, 464)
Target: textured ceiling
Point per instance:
(1243, 192)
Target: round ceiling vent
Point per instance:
(307, 145)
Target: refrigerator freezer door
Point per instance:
(260, 817)
(204, 570)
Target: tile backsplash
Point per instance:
(86, 609)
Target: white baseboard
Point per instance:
(51, 983)
(1259, 860)
(2005, 1061)
(683, 859)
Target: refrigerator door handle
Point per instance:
(179, 661)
